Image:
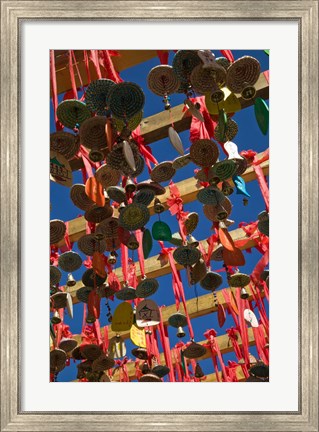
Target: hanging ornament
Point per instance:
(240, 185)
(178, 320)
(117, 348)
(147, 243)
(161, 231)
(262, 114)
(175, 140)
(147, 313)
(137, 336)
(122, 318)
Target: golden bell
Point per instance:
(130, 186)
(227, 189)
(192, 241)
(90, 319)
(158, 206)
(132, 243)
(221, 212)
(56, 318)
(244, 294)
(96, 155)
(71, 281)
(111, 259)
(180, 332)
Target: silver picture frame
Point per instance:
(305, 13)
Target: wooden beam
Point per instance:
(125, 60)
(155, 268)
(188, 189)
(154, 128)
(196, 307)
(223, 342)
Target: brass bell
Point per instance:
(192, 241)
(227, 189)
(132, 243)
(130, 186)
(56, 318)
(111, 258)
(99, 236)
(158, 206)
(96, 155)
(244, 294)
(71, 281)
(199, 371)
(145, 368)
(221, 212)
(90, 319)
(180, 332)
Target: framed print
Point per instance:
(81, 88)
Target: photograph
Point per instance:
(159, 215)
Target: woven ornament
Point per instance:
(65, 144)
(79, 197)
(194, 350)
(97, 96)
(55, 275)
(57, 231)
(210, 195)
(243, 72)
(134, 216)
(107, 176)
(162, 80)
(146, 287)
(88, 278)
(72, 113)
(97, 214)
(204, 152)
(126, 100)
(186, 255)
(184, 62)
(92, 133)
(162, 172)
(70, 261)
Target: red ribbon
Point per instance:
(95, 59)
(163, 56)
(124, 259)
(228, 54)
(175, 206)
(54, 88)
(256, 161)
(243, 326)
(122, 366)
(111, 72)
(71, 70)
(139, 238)
(145, 151)
(215, 350)
(163, 333)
